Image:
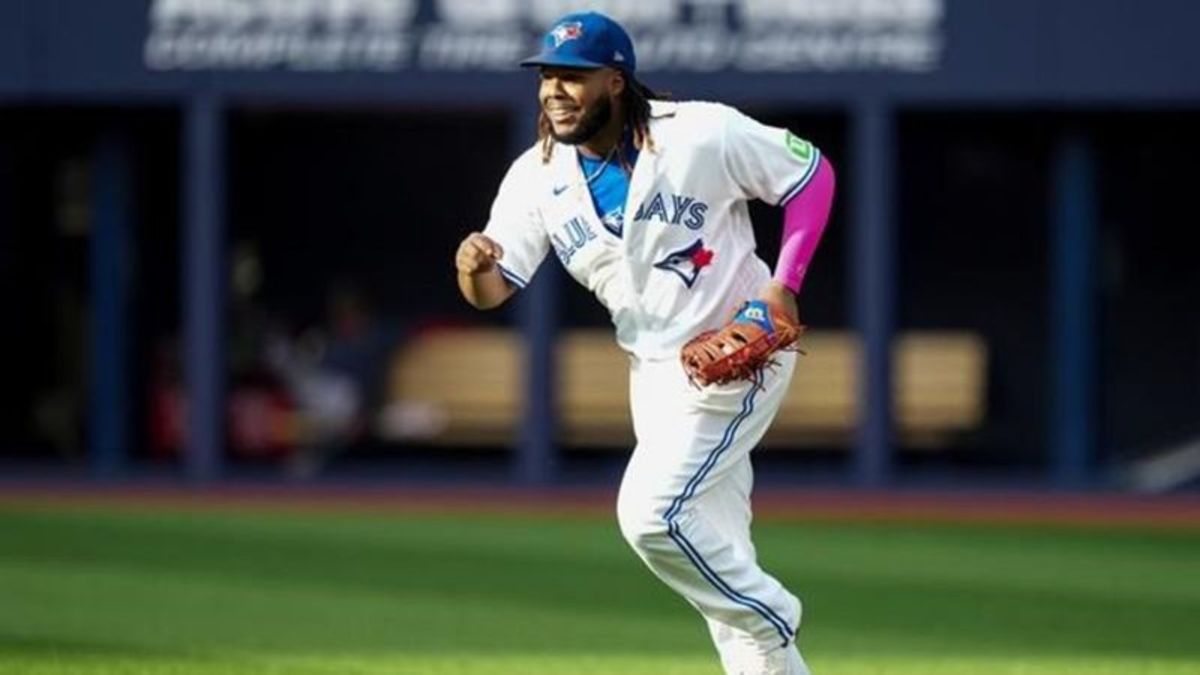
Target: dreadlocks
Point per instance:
(635, 104)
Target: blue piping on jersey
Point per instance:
(689, 550)
(799, 185)
(511, 276)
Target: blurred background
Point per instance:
(227, 229)
(247, 424)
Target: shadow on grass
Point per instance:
(46, 647)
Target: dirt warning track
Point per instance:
(1095, 509)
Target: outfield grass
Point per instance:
(110, 590)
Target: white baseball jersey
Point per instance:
(686, 257)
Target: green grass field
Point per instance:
(120, 590)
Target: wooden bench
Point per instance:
(474, 380)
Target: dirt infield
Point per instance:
(1175, 512)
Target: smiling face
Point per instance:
(577, 102)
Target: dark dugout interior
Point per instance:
(974, 239)
(375, 200)
(47, 193)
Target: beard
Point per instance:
(589, 124)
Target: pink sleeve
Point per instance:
(804, 218)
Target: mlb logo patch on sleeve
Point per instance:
(799, 147)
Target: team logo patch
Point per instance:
(802, 149)
(565, 32)
(614, 221)
(686, 263)
(756, 312)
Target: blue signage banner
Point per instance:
(14, 47)
(456, 35)
(802, 50)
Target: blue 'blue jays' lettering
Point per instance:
(683, 210)
(576, 233)
(654, 209)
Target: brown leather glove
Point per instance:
(741, 347)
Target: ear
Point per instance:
(617, 83)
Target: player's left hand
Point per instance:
(781, 298)
(740, 349)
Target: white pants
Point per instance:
(684, 504)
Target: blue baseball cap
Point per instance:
(585, 40)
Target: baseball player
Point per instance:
(644, 202)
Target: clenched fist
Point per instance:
(477, 254)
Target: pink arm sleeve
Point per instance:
(804, 219)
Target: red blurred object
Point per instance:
(262, 421)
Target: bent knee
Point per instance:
(643, 526)
(649, 536)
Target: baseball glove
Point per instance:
(740, 348)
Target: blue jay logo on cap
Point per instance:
(565, 32)
(585, 40)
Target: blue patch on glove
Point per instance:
(756, 312)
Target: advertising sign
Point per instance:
(457, 35)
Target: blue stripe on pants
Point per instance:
(689, 550)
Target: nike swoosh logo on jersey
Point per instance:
(560, 189)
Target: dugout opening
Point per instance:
(66, 174)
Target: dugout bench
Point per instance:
(473, 380)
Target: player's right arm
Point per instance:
(496, 263)
(479, 276)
